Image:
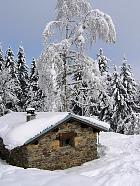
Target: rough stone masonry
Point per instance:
(69, 144)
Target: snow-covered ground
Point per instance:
(120, 166)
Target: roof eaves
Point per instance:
(48, 129)
(69, 116)
(102, 128)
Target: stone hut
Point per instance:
(49, 141)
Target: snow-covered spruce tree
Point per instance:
(8, 91)
(130, 85)
(22, 74)
(35, 94)
(11, 82)
(3, 91)
(10, 62)
(104, 100)
(123, 118)
(33, 69)
(78, 25)
(102, 62)
(128, 81)
(9, 57)
(118, 92)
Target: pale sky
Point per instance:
(24, 21)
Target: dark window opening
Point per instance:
(65, 142)
(66, 139)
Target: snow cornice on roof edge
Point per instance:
(92, 122)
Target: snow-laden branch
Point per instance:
(99, 25)
(49, 29)
(69, 9)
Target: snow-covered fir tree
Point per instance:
(10, 62)
(104, 100)
(22, 74)
(104, 103)
(128, 81)
(9, 57)
(123, 118)
(33, 69)
(118, 94)
(10, 81)
(78, 24)
(130, 85)
(35, 94)
(103, 62)
(8, 91)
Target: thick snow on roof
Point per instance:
(97, 122)
(15, 131)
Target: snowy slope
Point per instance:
(119, 167)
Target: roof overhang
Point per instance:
(66, 119)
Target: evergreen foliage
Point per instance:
(104, 99)
(22, 74)
(128, 81)
(8, 91)
(35, 95)
(124, 118)
(10, 82)
(10, 62)
(103, 62)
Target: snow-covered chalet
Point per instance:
(48, 140)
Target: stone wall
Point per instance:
(47, 152)
(4, 153)
(19, 157)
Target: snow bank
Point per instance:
(119, 167)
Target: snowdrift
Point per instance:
(119, 166)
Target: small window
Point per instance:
(65, 142)
(66, 139)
